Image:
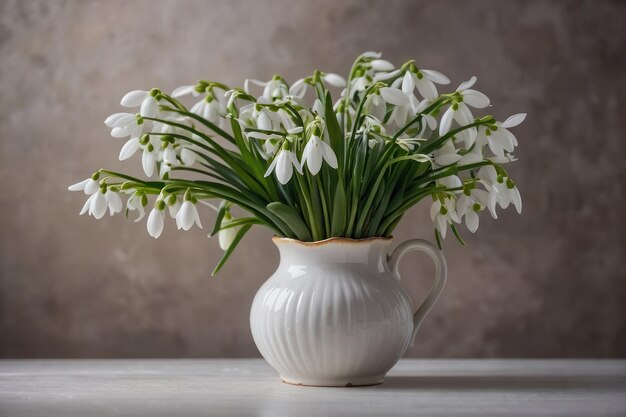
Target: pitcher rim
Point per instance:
(343, 240)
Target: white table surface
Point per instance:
(249, 387)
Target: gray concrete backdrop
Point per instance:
(548, 283)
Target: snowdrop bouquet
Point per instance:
(305, 165)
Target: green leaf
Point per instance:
(220, 216)
(337, 141)
(292, 219)
(338, 220)
(231, 248)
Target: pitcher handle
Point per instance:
(440, 275)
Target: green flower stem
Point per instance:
(203, 121)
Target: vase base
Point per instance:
(343, 382)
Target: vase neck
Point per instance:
(366, 251)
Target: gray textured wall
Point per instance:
(550, 282)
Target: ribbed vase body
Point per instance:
(332, 314)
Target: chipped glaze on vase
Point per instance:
(334, 312)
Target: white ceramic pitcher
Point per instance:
(334, 312)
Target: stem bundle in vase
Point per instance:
(308, 166)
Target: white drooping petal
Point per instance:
(446, 121)
(263, 121)
(447, 154)
(127, 130)
(284, 167)
(471, 220)
(381, 65)
(467, 84)
(272, 164)
(495, 146)
(516, 198)
(370, 54)
(149, 107)
(408, 82)
(382, 76)
(463, 115)
(87, 204)
(148, 162)
(118, 119)
(488, 173)
(173, 209)
(318, 107)
(394, 96)
(187, 156)
(431, 122)
(335, 80)
(435, 76)
(185, 90)
(92, 186)
(514, 120)
(247, 82)
(475, 99)
(113, 201)
(155, 223)
(473, 157)
(426, 88)
(312, 155)
(298, 88)
(134, 98)
(462, 204)
(441, 225)
(98, 205)
(186, 215)
(451, 181)
(434, 209)
(169, 155)
(226, 237)
(329, 155)
(79, 186)
(129, 149)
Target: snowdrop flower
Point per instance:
(156, 220)
(274, 88)
(284, 163)
(124, 124)
(149, 106)
(89, 186)
(187, 215)
(114, 202)
(467, 205)
(96, 205)
(425, 80)
(498, 137)
(442, 214)
(502, 190)
(98, 202)
(459, 109)
(137, 202)
(209, 108)
(316, 150)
